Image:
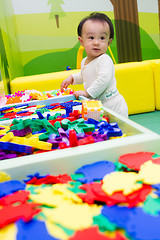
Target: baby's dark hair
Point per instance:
(96, 16)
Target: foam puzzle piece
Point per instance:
(94, 193)
(142, 225)
(4, 177)
(103, 223)
(72, 216)
(54, 196)
(75, 187)
(9, 232)
(157, 189)
(33, 230)
(119, 215)
(152, 206)
(156, 160)
(10, 187)
(135, 160)
(90, 233)
(57, 231)
(138, 224)
(49, 179)
(13, 213)
(149, 173)
(18, 197)
(95, 171)
(127, 182)
(37, 175)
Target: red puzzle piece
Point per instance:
(24, 211)
(135, 160)
(94, 193)
(64, 178)
(94, 234)
(20, 196)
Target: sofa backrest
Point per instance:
(138, 82)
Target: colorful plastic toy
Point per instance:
(92, 109)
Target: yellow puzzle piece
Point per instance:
(72, 216)
(4, 177)
(121, 181)
(9, 232)
(55, 195)
(150, 173)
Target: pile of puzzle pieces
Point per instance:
(100, 201)
(27, 110)
(29, 95)
(36, 135)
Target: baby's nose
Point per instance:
(96, 41)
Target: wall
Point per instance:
(10, 61)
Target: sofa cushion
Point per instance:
(155, 64)
(135, 82)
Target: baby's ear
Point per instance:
(109, 41)
(80, 39)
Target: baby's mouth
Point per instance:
(96, 49)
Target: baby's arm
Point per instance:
(66, 82)
(81, 93)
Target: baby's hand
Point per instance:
(81, 93)
(66, 82)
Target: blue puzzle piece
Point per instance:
(37, 175)
(138, 224)
(9, 187)
(143, 226)
(117, 214)
(157, 187)
(95, 171)
(33, 230)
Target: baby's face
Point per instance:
(95, 38)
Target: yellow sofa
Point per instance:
(138, 82)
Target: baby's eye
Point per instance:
(102, 38)
(91, 37)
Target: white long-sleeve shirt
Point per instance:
(98, 78)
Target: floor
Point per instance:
(149, 120)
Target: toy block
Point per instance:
(92, 109)
(8, 137)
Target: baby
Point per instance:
(95, 33)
